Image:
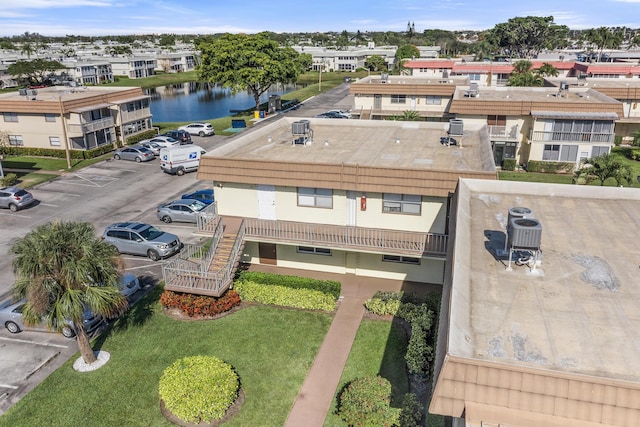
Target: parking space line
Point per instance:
(15, 215)
(13, 387)
(49, 204)
(33, 342)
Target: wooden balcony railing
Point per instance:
(359, 238)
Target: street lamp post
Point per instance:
(64, 131)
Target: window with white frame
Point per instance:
(313, 251)
(54, 140)
(401, 259)
(398, 99)
(48, 117)
(315, 197)
(599, 151)
(474, 77)
(409, 204)
(434, 100)
(10, 117)
(16, 140)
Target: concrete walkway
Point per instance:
(318, 390)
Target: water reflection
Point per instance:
(195, 101)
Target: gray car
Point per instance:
(136, 153)
(11, 318)
(137, 238)
(183, 210)
(15, 198)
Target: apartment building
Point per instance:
(88, 72)
(73, 118)
(566, 123)
(177, 62)
(548, 338)
(380, 97)
(134, 67)
(368, 198)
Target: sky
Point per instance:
(119, 17)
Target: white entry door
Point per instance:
(266, 201)
(352, 207)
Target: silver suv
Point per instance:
(15, 198)
(138, 238)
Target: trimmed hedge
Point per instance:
(56, 153)
(199, 388)
(330, 287)
(366, 402)
(141, 136)
(509, 164)
(550, 167)
(285, 296)
(420, 315)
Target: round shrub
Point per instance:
(366, 402)
(199, 388)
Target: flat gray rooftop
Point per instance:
(376, 143)
(533, 94)
(577, 312)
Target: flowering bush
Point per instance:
(200, 305)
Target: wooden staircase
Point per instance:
(223, 251)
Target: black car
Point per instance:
(181, 135)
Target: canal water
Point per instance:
(196, 101)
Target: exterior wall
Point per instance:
(35, 130)
(358, 263)
(242, 200)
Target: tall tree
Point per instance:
(249, 62)
(62, 269)
(28, 49)
(34, 72)
(602, 168)
(376, 63)
(526, 37)
(522, 75)
(604, 38)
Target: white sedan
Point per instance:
(162, 141)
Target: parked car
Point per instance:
(342, 112)
(152, 146)
(11, 318)
(183, 210)
(200, 129)
(331, 115)
(181, 135)
(137, 153)
(205, 196)
(137, 238)
(128, 285)
(15, 198)
(162, 141)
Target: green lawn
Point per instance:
(271, 349)
(378, 349)
(40, 168)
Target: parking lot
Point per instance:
(107, 192)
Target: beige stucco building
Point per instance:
(552, 342)
(74, 118)
(369, 198)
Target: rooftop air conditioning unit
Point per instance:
(519, 212)
(456, 127)
(525, 233)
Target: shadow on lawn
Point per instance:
(140, 309)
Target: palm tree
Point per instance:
(62, 269)
(603, 167)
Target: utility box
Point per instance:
(275, 103)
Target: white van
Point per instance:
(180, 159)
